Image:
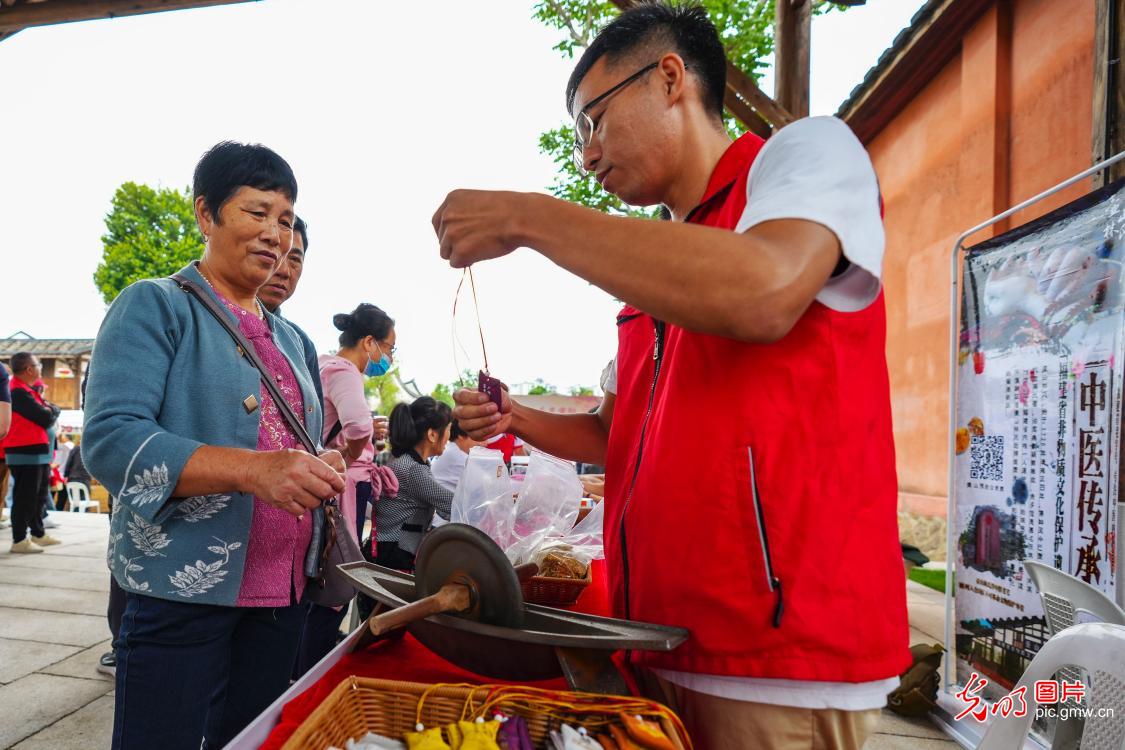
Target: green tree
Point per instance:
(542, 388)
(150, 232)
(444, 391)
(746, 28)
(581, 390)
(384, 390)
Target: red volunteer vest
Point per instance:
(775, 539)
(23, 432)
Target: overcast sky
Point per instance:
(380, 109)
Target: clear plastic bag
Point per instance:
(547, 506)
(484, 496)
(583, 542)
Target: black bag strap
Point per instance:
(247, 350)
(336, 430)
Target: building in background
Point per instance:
(64, 363)
(977, 106)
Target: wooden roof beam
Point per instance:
(16, 17)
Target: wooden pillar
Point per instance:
(1109, 87)
(792, 32)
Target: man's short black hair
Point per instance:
(301, 228)
(227, 166)
(21, 361)
(653, 28)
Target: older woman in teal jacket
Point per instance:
(213, 491)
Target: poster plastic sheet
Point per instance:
(1038, 426)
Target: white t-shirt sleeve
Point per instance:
(817, 170)
(609, 377)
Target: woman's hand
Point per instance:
(593, 484)
(295, 481)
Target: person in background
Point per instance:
(367, 346)
(367, 349)
(63, 449)
(449, 466)
(508, 444)
(283, 285)
(28, 450)
(419, 432)
(5, 424)
(211, 527)
(54, 479)
(75, 469)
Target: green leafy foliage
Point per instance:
(383, 390)
(542, 388)
(150, 232)
(444, 393)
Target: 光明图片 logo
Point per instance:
(1058, 699)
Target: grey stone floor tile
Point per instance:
(89, 727)
(97, 579)
(49, 599)
(21, 658)
(42, 700)
(83, 664)
(52, 627)
(53, 562)
(94, 550)
(892, 723)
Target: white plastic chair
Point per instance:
(1065, 597)
(79, 495)
(1098, 649)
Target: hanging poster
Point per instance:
(1038, 427)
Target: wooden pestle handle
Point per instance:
(526, 572)
(452, 597)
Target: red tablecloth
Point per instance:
(407, 659)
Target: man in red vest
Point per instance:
(28, 452)
(754, 316)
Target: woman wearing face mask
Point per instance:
(367, 348)
(367, 345)
(419, 431)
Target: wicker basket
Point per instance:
(555, 592)
(359, 705)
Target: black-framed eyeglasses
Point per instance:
(584, 125)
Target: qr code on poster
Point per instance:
(987, 454)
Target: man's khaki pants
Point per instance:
(720, 723)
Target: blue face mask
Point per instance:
(375, 369)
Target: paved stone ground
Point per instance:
(53, 629)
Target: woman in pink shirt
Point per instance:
(367, 346)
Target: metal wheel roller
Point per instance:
(460, 570)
